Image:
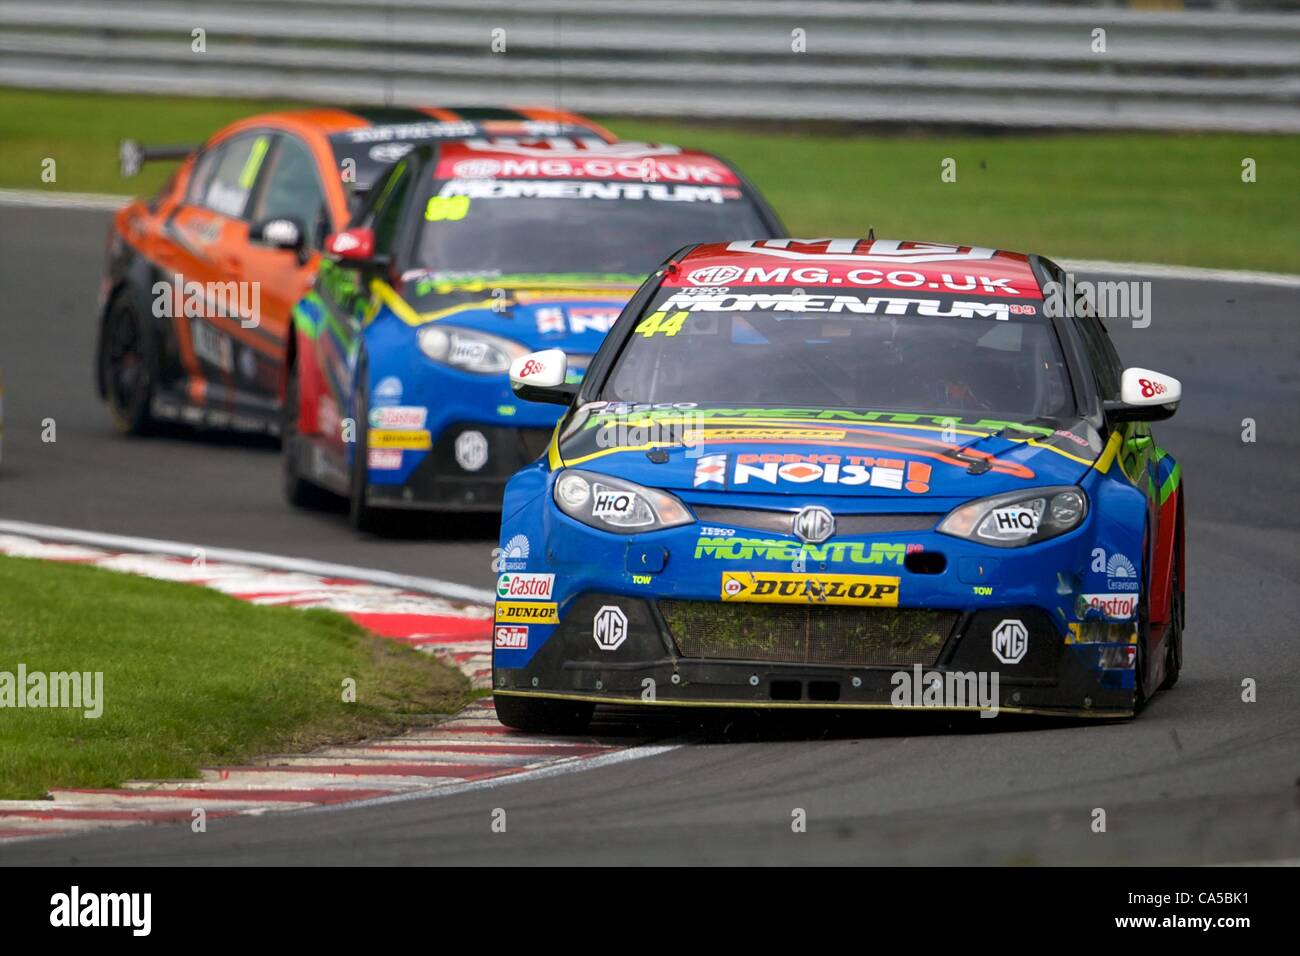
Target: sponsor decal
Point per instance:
(533, 166)
(398, 416)
(1016, 518)
(387, 390)
(765, 588)
(531, 369)
(592, 319)
(471, 450)
(248, 364)
(526, 612)
(608, 191)
(727, 547)
(609, 627)
(512, 556)
(1071, 437)
(834, 304)
(212, 346)
(1120, 573)
(1114, 606)
(521, 586)
(613, 504)
(602, 411)
(711, 470)
(714, 275)
(389, 152)
(774, 434)
(861, 250)
(511, 636)
(409, 439)
(395, 131)
(1010, 641)
(1152, 387)
(712, 531)
(550, 319)
(384, 459)
(893, 474)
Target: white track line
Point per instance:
(1158, 270)
(570, 765)
(99, 201)
(40, 199)
(406, 582)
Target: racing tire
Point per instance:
(1177, 620)
(298, 491)
(128, 367)
(361, 516)
(544, 715)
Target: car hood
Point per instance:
(825, 452)
(572, 312)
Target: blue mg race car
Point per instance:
(466, 256)
(844, 474)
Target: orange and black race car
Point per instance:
(201, 280)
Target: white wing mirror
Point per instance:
(540, 377)
(1145, 396)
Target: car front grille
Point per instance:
(794, 634)
(779, 522)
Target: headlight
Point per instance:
(1018, 517)
(612, 504)
(469, 350)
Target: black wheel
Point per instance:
(298, 491)
(361, 515)
(542, 715)
(127, 367)
(1177, 620)
(1140, 692)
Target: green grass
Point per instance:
(1151, 197)
(192, 678)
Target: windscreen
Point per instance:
(825, 347)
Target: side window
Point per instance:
(237, 165)
(387, 210)
(293, 190)
(203, 167)
(1101, 356)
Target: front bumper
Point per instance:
(1057, 675)
(441, 483)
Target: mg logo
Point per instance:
(715, 275)
(1010, 642)
(609, 627)
(813, 524)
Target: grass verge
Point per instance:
(191, 678)
(1152, 197)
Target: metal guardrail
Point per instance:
(864, 61)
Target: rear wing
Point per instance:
(131, 155)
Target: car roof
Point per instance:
(567, 158)
(857, 263)
(447, 122)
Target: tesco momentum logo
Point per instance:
(526, 586)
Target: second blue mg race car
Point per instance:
(466, 256)
(844, 474)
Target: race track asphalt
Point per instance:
(1200, 777)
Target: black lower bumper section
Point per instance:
(442, 483)
(649, 668)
